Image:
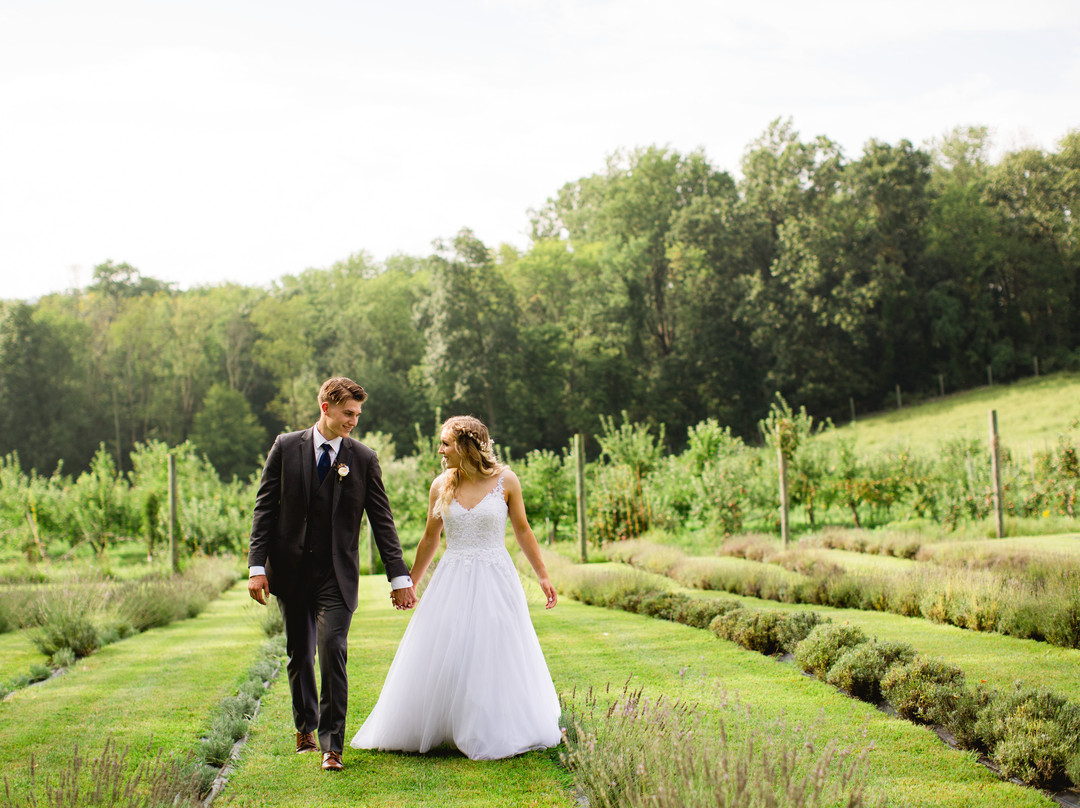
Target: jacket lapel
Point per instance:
(342, 458)
(306, 453)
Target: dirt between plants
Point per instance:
(1069, 798)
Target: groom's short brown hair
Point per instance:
(338, 390)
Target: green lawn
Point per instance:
(162, 685)
(17, 654)
(868, 562)
(589, 647)
(1031, 413)
(157, 687)
(1065, 544)
(272, 774)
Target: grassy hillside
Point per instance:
(1031, 413)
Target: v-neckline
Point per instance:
(480, 501)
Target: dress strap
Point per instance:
(498, 483)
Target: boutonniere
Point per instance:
(342, 471)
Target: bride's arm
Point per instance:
(525, 538)
(429, 542)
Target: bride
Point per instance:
(469, 670)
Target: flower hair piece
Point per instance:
(484, 445)
(476, 457)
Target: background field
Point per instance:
(1031, 414)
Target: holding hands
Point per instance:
(259, 589)
(404, 598)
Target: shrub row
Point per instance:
(230, 720)
(893, 543)
(1030, 733)
(721, 483)
(767, 632)
(640, 596)
(77, 619)
(69, 623)
(1040, 601)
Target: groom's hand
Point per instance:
(259, 588)
(404, 598)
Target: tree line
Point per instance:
(662, 287)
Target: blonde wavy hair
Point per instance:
(473, 443)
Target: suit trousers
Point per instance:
(316, 618)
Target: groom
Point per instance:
(304, 549)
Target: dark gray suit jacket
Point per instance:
(279, 525)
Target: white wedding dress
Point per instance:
(469, 670)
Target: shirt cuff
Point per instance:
(400, 582)
(253, 571)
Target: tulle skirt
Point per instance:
(469, 670)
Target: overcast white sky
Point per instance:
(203, 141)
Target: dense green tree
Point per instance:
(287, 322)
(572, 347)
(123, 280)
(137, 342)
(961, 251)
(1035, 280)
(226, 431)
(187, 357)
(659, 286)
(646, 210)
(377, 343)
(232, 334)
(802, 304)
(783, 177)
(36, 400)
(471, 326)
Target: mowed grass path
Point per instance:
(590, 647)
(159, 687)
(270, 773)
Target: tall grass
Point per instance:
(82, 616)
(634, 752)
(107, 780)
(1034, 597)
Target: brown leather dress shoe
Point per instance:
(305, 742)
(331, 762)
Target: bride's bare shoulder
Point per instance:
(509, 478)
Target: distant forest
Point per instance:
(662, 287)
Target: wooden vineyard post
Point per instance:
(995, 469)
(579, 485)
(174, 550)
(785, 530)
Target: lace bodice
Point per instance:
(480, 531)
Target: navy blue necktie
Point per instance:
(324, 462)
